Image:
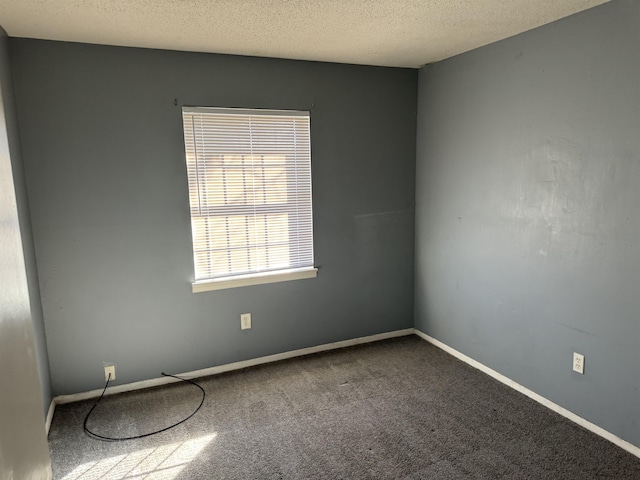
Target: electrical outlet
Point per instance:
(109, 369)
(578, 363)
(245, 321)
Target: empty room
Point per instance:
(332, 239)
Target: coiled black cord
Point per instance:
(120, 439)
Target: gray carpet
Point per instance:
(399, 408)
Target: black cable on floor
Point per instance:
(114, 439)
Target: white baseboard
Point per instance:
(629, 447)
(154, 382)
(47, 422)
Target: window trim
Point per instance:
(260, 277)
(253, 279)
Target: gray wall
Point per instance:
(23, 448)
(527, 196)
(104, 161)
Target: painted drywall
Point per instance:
(23, 446)
(26, 235)
(104, 160)
(527, 225)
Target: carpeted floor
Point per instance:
(399, 408)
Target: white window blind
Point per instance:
(249, 175)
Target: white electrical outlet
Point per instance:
(245, 321)
(109, 369)
(578, 363)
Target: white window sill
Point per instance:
(253, 279)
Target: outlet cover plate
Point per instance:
(578, 363)
(245, 321)
(109, 368)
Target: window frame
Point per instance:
(250, 209)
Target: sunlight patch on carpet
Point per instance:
(160, 463)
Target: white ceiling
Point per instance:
(398, 33)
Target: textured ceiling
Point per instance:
(400, 33)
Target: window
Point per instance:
(249, 177)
